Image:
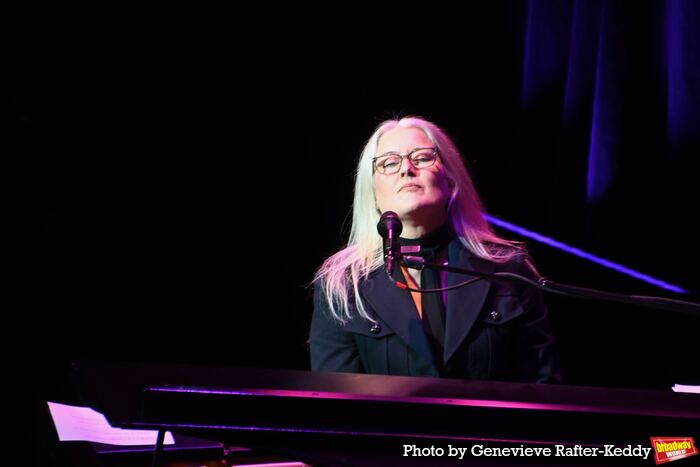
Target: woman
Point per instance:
(364, 323)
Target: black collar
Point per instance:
(428, 245)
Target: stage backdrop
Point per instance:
(168, 212)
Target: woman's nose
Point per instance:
(407, 168)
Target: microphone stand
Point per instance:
(660, 303)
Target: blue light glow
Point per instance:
(582, 254)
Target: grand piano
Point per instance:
(357, 419)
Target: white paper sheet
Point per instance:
(686, 388)
(85, 424)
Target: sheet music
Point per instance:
(85, 424)
(686, 388)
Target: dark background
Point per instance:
(176, 211)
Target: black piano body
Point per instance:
(356, 417)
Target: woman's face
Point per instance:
(419, 195)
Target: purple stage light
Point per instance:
(582, 254)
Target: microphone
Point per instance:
(390, 227)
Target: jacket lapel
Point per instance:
(464, 303)
(396, 308)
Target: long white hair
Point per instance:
(340, 275)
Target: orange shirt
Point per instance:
(442, 257)
(415, 295)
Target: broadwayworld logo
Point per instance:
(670, 449)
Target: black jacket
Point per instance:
(494, 331)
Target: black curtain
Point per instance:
(175, 209)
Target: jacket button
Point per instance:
(496, 316)
(375, 328)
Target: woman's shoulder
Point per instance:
(513, 257)
(521, 264)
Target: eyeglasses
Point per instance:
(390, 163)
